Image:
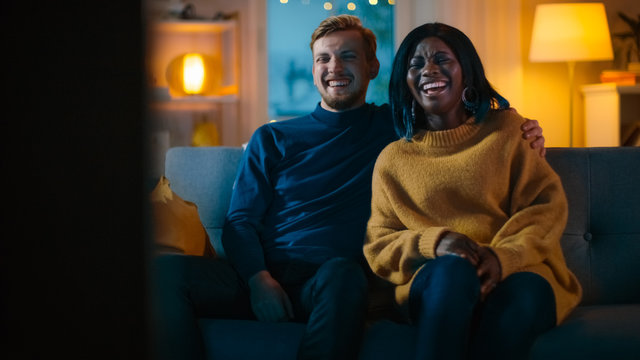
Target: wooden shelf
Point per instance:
(193, 26)
(193, 103)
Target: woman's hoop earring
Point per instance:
(471, 99)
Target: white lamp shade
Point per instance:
(570, 32)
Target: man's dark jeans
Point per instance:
(332, 301)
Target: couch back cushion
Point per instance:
(602, 239)
(205, 176)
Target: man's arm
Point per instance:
(250, 200)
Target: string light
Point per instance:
(351, 6)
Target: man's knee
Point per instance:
(178, 273)
(342, 275)
(168, 270)
(344, 268)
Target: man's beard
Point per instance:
(342, 103)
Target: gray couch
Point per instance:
(601, 244)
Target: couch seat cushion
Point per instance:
(593, 332)
(248, 339)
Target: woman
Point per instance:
(466, 220)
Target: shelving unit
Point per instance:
(174, 119)
(193, 103)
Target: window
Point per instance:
(289, 27)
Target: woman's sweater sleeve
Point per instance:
(393, 252)
(538, 213)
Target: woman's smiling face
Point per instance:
(435, 78)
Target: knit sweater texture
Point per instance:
(303, 191)
(481, 180)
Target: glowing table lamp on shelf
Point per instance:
(192, 74)
(568, 33)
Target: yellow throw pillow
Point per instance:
(176, 223)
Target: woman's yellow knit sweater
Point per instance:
(481, 180)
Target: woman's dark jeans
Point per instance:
(454, 324)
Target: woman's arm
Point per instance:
(538, 209)
(394, 252)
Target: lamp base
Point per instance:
(572, 67)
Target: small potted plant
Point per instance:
(630, 50)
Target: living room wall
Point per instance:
(546, 88)
(500, 29)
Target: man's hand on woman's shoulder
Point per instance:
(532, 132)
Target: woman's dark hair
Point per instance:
(400, 96)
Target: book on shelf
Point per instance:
(620, 77)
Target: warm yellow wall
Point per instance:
(546, 87)
(545, 91)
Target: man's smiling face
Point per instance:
(341, 71)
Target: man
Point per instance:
(295, 227)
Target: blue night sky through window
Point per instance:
(289, 28)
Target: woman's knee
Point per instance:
(524, 297)
(449, 272)
(447, 282)
(520, 309)
(529, 290)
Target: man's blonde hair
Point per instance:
(346, 22)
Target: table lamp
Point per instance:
(570, 32)
(193, 74)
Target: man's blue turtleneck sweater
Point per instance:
(303, 191)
